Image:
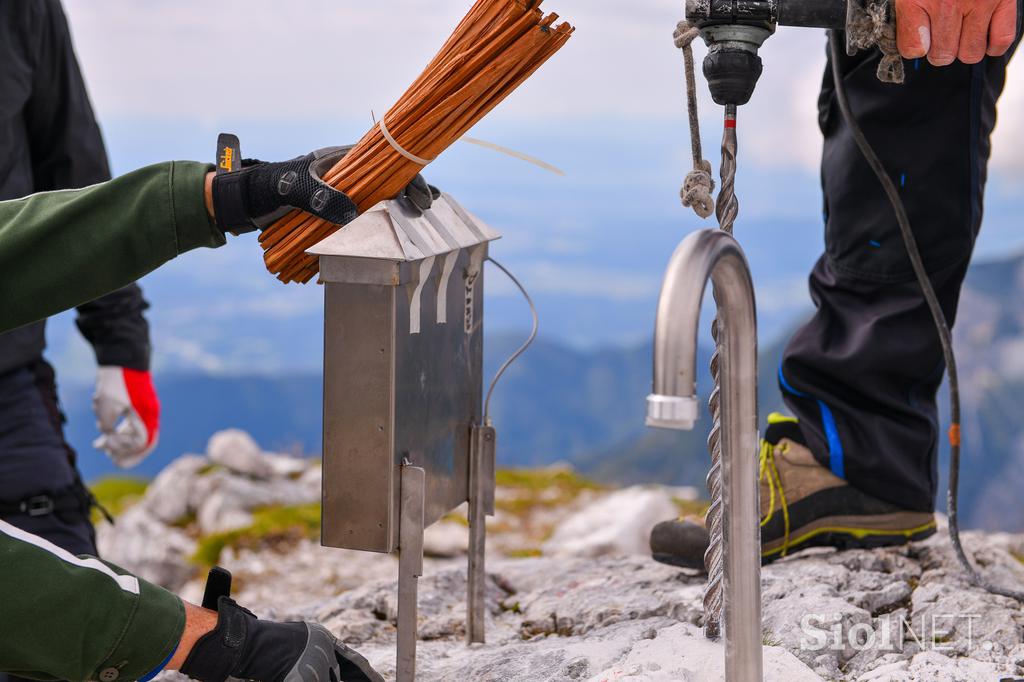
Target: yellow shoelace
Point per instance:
(768, 468)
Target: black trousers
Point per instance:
(864, 373)
(36, 460)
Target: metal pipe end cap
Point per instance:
(672, 412)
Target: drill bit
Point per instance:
(728, 206)
(714, 558)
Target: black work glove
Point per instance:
(246, 648)
(253, 194)
(420, 193)
(259, 193)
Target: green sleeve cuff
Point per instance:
(192, 223)
(149, 639)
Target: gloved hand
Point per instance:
(258, 193)
(247, 648)
(127, 414)
(420, 193)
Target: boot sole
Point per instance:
(854, 532)
(678, 562)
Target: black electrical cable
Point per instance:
(941, 324)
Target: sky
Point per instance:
(167, 76)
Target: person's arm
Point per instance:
(61, 249)
(80, 618)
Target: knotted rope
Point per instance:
(697, 189)
(875, 25)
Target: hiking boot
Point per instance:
(803, 504)
(680, 542)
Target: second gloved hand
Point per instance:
(127, 414)
(420, 193)
(244, 647)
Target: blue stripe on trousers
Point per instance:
(836, 456)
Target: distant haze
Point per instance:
(609, 109)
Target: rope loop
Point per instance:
(697, 189)
(685, 34)
(875, 26)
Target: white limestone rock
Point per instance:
(681, 653)
(236, 450)
(285, 466)
(616, 524)
(228, 503)
(446, 539)
(594, 606)
(167, 497)
(149, 548)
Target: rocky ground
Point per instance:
(571, 594)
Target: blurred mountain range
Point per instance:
(587, 406)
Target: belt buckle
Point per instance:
(40, 505)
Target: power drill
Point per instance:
(734, 31)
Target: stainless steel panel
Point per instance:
(355, 270)
(360, 481)
(438, 386)
(390, 394)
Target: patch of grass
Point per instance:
(529, 553)
(698, 508)
(512, 607)
(769, 638)
(185, 522)
(517, 506)
(208, 469)
(117, 493)
(456, 517)
(540, 488)
(542, 479)
(271, 525)
(1019, 556)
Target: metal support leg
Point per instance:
(410, 567)
(481, 505)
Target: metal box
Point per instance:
(403, 363)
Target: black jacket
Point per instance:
(49, 140)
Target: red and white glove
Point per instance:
(127, 414)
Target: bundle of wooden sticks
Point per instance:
(498, 45)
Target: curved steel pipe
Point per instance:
(713, 255)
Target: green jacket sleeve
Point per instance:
(78, 618)
(61, 249)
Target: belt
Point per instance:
(69, 499)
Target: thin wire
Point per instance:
(522, 349)
(941, 324)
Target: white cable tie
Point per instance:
(399, 148)
(514, 154)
